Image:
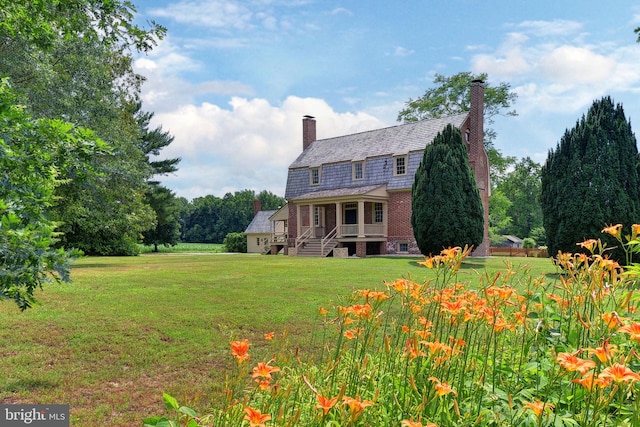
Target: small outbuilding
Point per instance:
(259, 232)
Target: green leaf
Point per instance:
(170, 401)
(188, 411)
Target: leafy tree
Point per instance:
(166, 230)
(522, 187)
(452, 95)
(446, 205)
(209, 219)
(539, 235)
(591, 179)
(499, 219)
(73, 60)
(34, 153)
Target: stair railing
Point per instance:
(328, 239)
(303, 238)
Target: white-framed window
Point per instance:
(357, 171)
(257, 241)
(400, 165)
(378, 213)
(403, 247)
(314, 176)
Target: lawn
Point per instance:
(128, 329)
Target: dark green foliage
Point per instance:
(33, 152)
(236, 242)
(591, 180)
(167, 229)
(209, 219)
(522, 187)
(446, 205)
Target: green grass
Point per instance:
(128, 329)
(186, 248)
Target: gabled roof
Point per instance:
(394, 140)
(260, 223)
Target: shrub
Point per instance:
(236, 242)
(528, 243)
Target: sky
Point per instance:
(232, 79)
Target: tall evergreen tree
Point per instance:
(591, 179)
(446, 205)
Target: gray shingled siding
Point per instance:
(378, 171)
(376, 147)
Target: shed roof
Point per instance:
(260, 223)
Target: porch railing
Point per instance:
(369, 230)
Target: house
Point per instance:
(259, 233)
(267, 232)
(354, 191)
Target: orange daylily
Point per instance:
(356, 405)
(587, 381)
(633, 329)
(325, 404)
(269, 336)
(240, 350)
(572, 363)
(451, 253)
(353, 333)
(612, 319)
(538, 407)
(589, 244)
(619, 373)
(635, 230)
(264, 370)
(255, 417)
(614, 230)
(605, 352)
(442, 388)
(411, 423)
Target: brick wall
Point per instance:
(399, 227)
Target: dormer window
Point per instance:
(314, 176)
(400, 165)
(357, 170)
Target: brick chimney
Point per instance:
(257, 207)
(476, 120)
(308, 131)
(478, 158)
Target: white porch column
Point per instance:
(361, 218)
(338, 219)
(312, 222)
(298, 221)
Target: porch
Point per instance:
(356, 221)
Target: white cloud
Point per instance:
(574, 65)
(207, 13)
(557, 27)
(248, 146)
(402, 51)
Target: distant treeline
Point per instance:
(209, 219)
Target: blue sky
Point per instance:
(232, 79)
